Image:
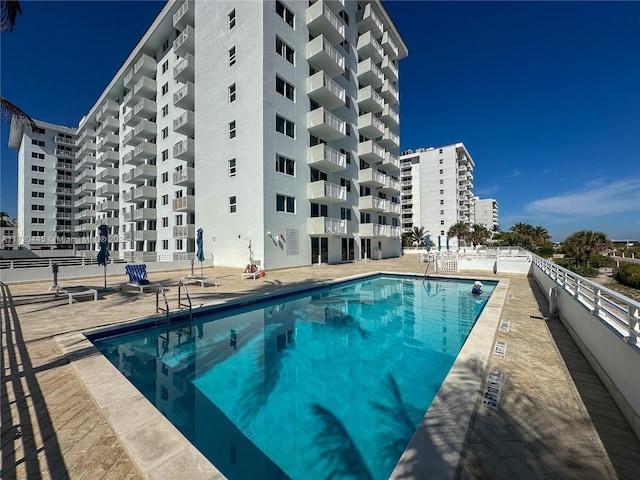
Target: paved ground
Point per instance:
(555, 419)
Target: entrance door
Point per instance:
(348, 249)
(365, 243)
(319, 248)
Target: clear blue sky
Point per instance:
(545, 95)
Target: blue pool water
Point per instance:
(328, 384)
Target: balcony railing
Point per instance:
(327, 226)
(326, 158)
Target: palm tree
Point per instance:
(460, 230)
(541, 235)
(479, 234)
(417, 236)
(9, 12)
(585, 243)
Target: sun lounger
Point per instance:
(253, 271)
(79, 292)
(138, 278)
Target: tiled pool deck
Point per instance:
(555, 419)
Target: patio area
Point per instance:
(555, 419)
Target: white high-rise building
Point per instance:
(437, 188)
(273, 126)
(486, 212)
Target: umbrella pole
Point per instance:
(105, 275)
(201, 274)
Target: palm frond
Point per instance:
(11, 112)
(9, 11)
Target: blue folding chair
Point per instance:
(138, 277)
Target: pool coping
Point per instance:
(161, 452)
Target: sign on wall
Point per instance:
(292, 242)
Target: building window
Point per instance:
(165, 110)
(285, 165)
(165, 199)
(345, 213)
(37, 181)
(165, 177)
(319, 210)
(37, 233)
(441, 232)
(165, 45)
(347, 155)
(440, 161)
(232, 129)
(232, 56)
(284, 13)
(165, 244)
(37, 168)
(38, 130)
(441, 202)
(232, 18)
(441, 192)
(37, 220)
(39, 143)
(285, 204)
(441, 171)
(165, 155)
(441, 212)
(441, 222)
(232, 167)
(345, 182)
(37, 207)
(179, 244)
(179, 220)
(165, 66)
(342, 14)
(284, 50)
(37, 194)
(39, 156)
(232, 92)
(441, 182)
(284, 88)
(165, 88)
(232, 205)
(165, 132)
(165, 222)
(285, 127)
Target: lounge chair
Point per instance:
(138, 277)
(254, 270)
(78, 292)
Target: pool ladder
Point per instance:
(182, 304)
(430, 260)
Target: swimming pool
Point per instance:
(327, 384)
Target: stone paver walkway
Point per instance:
(555, 420)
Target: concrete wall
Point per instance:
(615, 361)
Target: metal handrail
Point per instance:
(181, 286)
(160, 289)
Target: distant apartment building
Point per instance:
(8, 234)
(437, 188)
(486, 212)
(271, 125)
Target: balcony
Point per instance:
(184, 204)
(137, 194)
(129, 138)
(84, 214)
(184, 42)
(184, 69)
(64, 191)
(368, 47)
(86, 189)
(60, 152)
(372, 230)
(369, 100)
(184, 231)
(185, 123)
(144, 151)
(109, 190)
(108, 206)
(325, 91)
(390, 116)
(87, 175)
(184, 149)
(129, 119)
(326, 192)
(85, 227)
(390, 140)
(106, 159)
(322, 55)
(185, 177)
(145, 108)
(391, 162)
(64, 203)
(369, 74)
(110, 221)
(371, 152)
(145, 129)
(109, 106)
(140, 214)
(389, 46)
(64, 166)
(327, 226)
(85, 201)
(390, 93)
(389, 69)
(391, 185)
(326, 125)
(370, 22)
(394, 208)
(107, 142)
(370, 203)
(144, 66)
(322, 21)
(86, 146)
(140, 174)
(128, 99)
(370, 177)
(184, 16)
(326, 158)
(185, 97)
(141, 235)
(65, 140)
(394, 232)
(370, 126)
(145, 86)
(109, 124)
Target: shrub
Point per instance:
(545, 251)
(596, 261)
(582, 270)
(629, 274)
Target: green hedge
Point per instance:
(629, 274)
